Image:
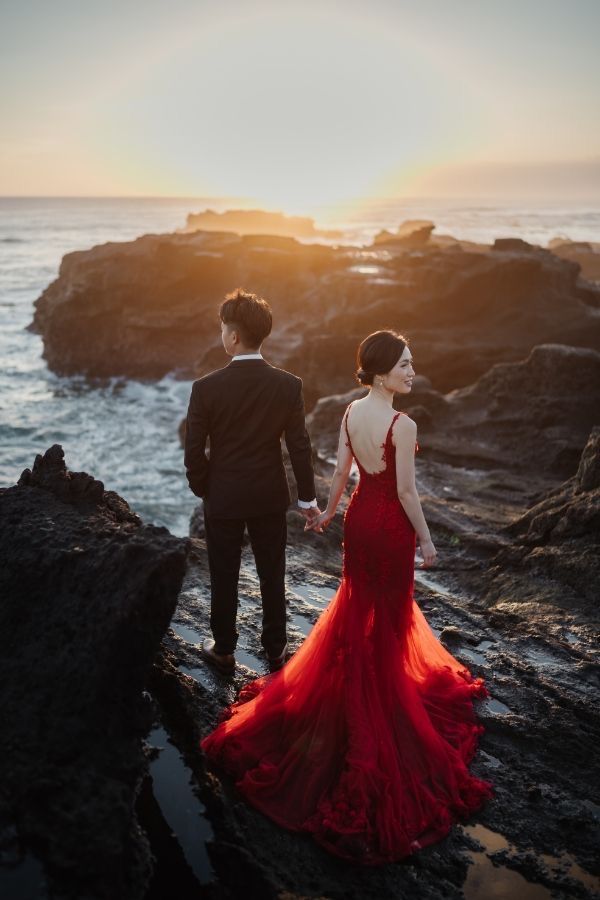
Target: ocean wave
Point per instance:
(12, 240)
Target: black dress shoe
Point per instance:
(224, 662)
(277, 662)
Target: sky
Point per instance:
(297, 105)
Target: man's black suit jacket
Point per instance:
(244, 409)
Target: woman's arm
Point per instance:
(404, 436)
(338, 481)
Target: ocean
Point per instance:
(124, 432)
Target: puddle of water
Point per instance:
(567, 864)
(302, 624)
(180, 806)
(472, 656)
(188, 634)
(492, 841)
(496, 706)
(199, 673)
(485, 645)
(485, 881)
(248, 659)
(317, 597)
(431, 583)
(368, 270)
(25, 881)
(492, 761)
(542, 657)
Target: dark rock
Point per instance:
(537, 412)
(197, 522)
(585, 253)
(87, 594)
(451, 635)
(588, 472)
(511, 245)
(559, 537)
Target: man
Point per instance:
(243, 410)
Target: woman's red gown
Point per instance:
(364, 737)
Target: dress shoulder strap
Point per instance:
(348, 444)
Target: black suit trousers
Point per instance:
(224, 539)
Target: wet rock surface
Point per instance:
(148, 307)
(87, 594)
(539, 833)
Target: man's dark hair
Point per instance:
(249, 314)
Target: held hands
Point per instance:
(311, 514)
(428, 552)
(319, 522)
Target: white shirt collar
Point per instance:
(247, 356)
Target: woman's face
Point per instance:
(400, 378)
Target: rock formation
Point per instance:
(559, 537)
(256, 221)
(147, 307)
(584, 253)
(535, 413)
(412, 235)
(87, 594)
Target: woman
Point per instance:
(364, 737)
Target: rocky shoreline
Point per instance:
(144, 308)
(105, 790)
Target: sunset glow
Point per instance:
(294, 107)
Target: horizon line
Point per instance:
(495, 198)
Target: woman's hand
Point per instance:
(428, 552)
(319, 523)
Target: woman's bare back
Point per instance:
(368, 424)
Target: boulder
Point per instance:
(412, 234)
(585, 253)
(534, 413)
(559, 536)
(87, 592)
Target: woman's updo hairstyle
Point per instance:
(377, 354)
